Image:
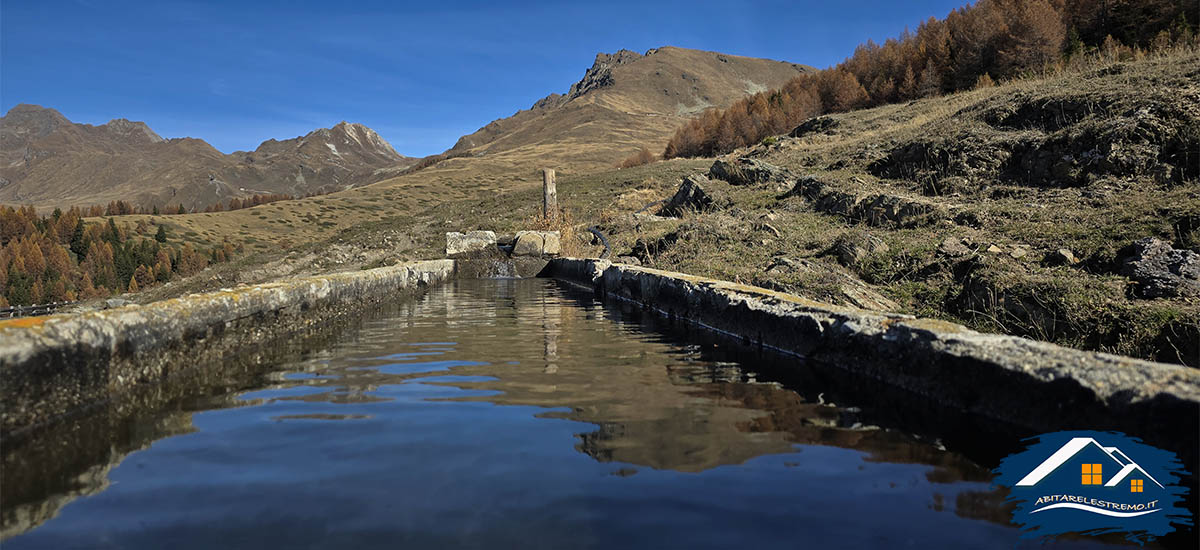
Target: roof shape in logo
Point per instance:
(1073, 447)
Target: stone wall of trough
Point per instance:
(56, 364)
(1033, 385)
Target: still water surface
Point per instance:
(520, 414)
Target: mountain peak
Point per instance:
(344, 138)
(29, 108)
(133, 129)
(32, 119)
(599, 74)
(627, 100)
(360, 136)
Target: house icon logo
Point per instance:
(1095, 483)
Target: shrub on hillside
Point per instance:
(644, 156)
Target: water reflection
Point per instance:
(456, 409)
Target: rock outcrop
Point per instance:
(748, 171)
(600, 74)
(1162, 271)
(821, 124)
(875, 209)
(1066, 140)
(695, 194)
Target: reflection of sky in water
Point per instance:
(502, 414)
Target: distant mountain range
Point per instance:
(47, 160)
(624, 102)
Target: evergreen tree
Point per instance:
(1074, 43)
(112, 234)
(19, 286)
(161, 235)
(79, 244)
(124, 261)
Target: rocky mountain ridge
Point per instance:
(48, 161)
(638, 95)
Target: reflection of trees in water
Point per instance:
(49, 474)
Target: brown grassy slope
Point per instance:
(1014, 168)
(48, 161)
(625, 101)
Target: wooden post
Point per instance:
(549, 194)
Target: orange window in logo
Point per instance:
(1135, 486)
(1091, 474)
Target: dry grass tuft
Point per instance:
(637, 199)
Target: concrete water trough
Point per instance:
(55, 365)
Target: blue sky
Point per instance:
(421, 74)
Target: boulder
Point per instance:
(1162, 271)
(821, 124)
(692, 196)
(807, 187)
(953, 247)
(529, 243)
(537, 243)
(470, 243)
(748, 171)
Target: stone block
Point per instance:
(469, 243)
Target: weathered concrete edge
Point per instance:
(52, 365)
(1036, 385)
